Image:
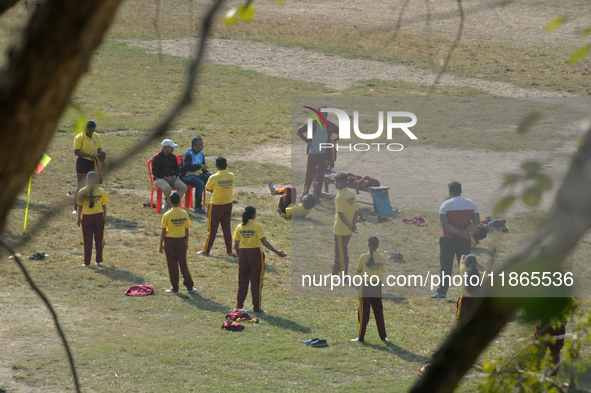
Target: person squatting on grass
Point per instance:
(319, 158)
(174, 242)
(286, 208)
(89, 150)
(221, 186)
(345, 223)
(166, 171)
(249, 238)
(469, 269)
(370, 296)
(92, 216)
(459, 217)
(194, 171)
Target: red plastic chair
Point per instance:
(188, 197)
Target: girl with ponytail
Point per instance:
(92, 216)
(249, 238)
(371, 267)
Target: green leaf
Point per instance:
(532, 196)
(511, 178)
(246, 12)
(556, 23)
(503, 204)
(578, 54)
(528, 122)
(230, 18)
(79, 124)
(531, 167)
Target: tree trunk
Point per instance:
(41, 72)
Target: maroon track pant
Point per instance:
(371, 299)
(341, 254)
(316, 167)
(93, 226)
(289, 195)
(175, 250)
(251, 269)
(219, 214)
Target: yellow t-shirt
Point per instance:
(345, 203)
(464, 269)
(221, 185)
(175, 221)
(88, 145)
(295, 210)
(379, 261)
(249, 235)
(99, 196)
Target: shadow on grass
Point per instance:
(119, 223)
(120, 275)
(22, 204)
(283, 323)
(196, 300)
(312, 221)
(402, 353)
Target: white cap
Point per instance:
(168, 142)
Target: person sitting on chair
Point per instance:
(165, 169)
(194, 171)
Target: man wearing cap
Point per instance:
(89, 150)
(194, 171)
(166, 170)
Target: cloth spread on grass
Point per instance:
(232, 326)
(419, 220)
(253, 320)
(237, 314)
(361, 183)
(140, 290)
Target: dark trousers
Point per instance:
(251, 269)
(450, 247)
(175, 250)
(93, 226)
(197, 181)
(219, 214)
(316, 167)
(341, 254)
(289, 195)
(556, 347)
(371, 298)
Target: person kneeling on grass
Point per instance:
(92, 216)
(470, 269)
(286, 208)
(174, 242)
(249, 237)
(370, 296)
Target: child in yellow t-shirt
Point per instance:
(286, 206)
(92, 216)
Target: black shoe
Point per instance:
(437, 295)
(310, 341)
(319, 344)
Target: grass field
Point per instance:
(174, 343)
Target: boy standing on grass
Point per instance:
(345, 220)
(221, 186)
(174, 242)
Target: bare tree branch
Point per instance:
(569, 219)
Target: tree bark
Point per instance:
(568, 220)
(41, 72)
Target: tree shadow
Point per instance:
(196, 300)
(402, 353)
(22, 204)
(283, 323)
(119, 223)
(120, 275)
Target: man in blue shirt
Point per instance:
(194, 171)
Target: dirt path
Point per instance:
(336, 72)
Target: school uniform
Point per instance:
(251, 263)
(345, 203)
(175, 221)
(466, 301)
(370, 297)
(93, 221)
(87, 145)
(286, 208)
(221, 186)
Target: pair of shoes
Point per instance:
(385, 340)
(38, 256)
(193, 290)
(199, 210)
(319, 343)
(203, 253)
(171, 291)
(311, 340)
(99, 264)
(437, 295)
(272, 188)
(396, 257)
(357, 340)
(85, 265)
